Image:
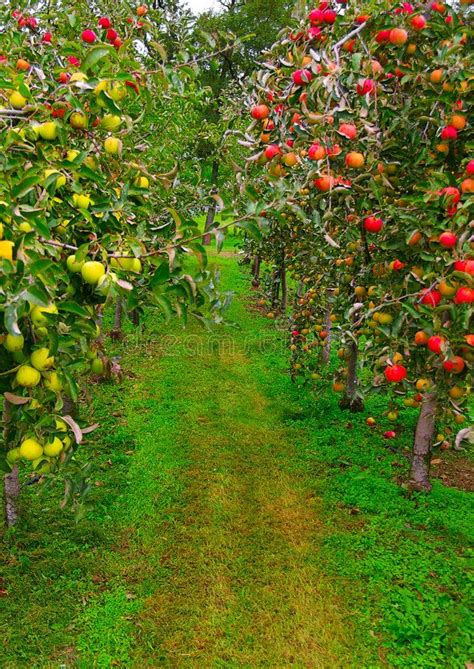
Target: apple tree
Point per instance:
(84, 219)
(360, 119)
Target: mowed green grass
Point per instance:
(236, 520)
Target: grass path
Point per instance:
(237, 521)
(238, 581)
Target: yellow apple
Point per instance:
(53, 447)
(113, 146)
(17, 100)
(27, 377)
(41, 360)
(78, 120)
(14, 343)
(6, 249)
(53, 382)
(48, 130)
(81, 201)
(142, 182)
(31, 449)
(60, 181)
(92, 271)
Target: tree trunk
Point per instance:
(135, 317)
(351, 399)
(11, 482)
(69, 406)
(328, 328)
(256, 272)
(284, 287)
(211, 212)
(424, 435)
(300, 290)
(275, 290)
(117, 329)
(12, 495)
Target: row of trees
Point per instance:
(88, 207)
(361, 143)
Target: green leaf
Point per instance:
(94, 55)
(74, 308)
(161, 275)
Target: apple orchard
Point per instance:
(360, 180)
(362, 143)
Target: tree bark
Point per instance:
(211, 212)
(256, 272)
(284, 287)
(135, 317)
(11, 482)
(275, 288)
(424, 435)
(328, 328)
(12, 495)
(351, 399)
(117, 329)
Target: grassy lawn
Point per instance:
(236, 521)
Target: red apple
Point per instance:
(373, 224)
(89, 36)
(272, 150)
(348, 130)
(431, 297)
(418, 22)
(464, 295)
(260, 112)
(105, 23)
(398, 36)
(454, 365)
(449, 133)
(316, 17)
(448, 239)
(302, 77)
(436, 343)
(395, 373)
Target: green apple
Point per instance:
(13, 456)
(97, 366)
(37, 315)
(74, 265)
(53, 447)
(111, 122)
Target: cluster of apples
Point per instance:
(318, 136)
(69, 126)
